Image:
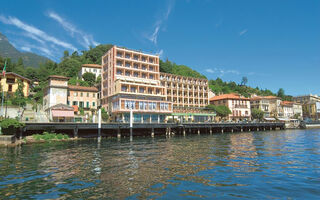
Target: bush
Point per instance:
(47, 136)
(10, 126)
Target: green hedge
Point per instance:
(10, 126)
(50, 136)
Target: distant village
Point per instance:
(131, 80)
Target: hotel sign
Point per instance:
(318, 107)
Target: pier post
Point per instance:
(222, 130)
(258, 129)
(184, 131)
(119, 133)
(189, 130)
(210, 130)
(198, 131)
(99, 125)
(75, 132)
(131, 125)
(20, 136)
(241, 129)
(249, 129)
(232, 130)
(152, 132)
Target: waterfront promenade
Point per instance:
(146, 129)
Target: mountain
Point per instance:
(7, 50)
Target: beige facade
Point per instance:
(270, 105)
(56, 92)
(189, 96)
(83, 97)
(9, 83)
(310, 106)
(130, 81)
(238, 105)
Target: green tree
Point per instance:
(18, 98)
(244, 80)
(281, 93)
(257, 114)
(90, 78)
(104, 115)
(222, 111)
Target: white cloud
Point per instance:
(35, 32)
(160, 53)
(221, 71)
(243, 32)
(211, 71)
(84, 39)
(159, 23)
(26, 48)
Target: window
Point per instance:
(10, 88)
(136, 66)
(151, 60)
(87, 104)
(127, 73)
(143, 75)
(129, 104)
(93, 104)
(128, 55)
(10, 80)
(151, 76)
(75, 94)
(119, 63)
(119, 72)
(87, 94)
(95, 70)
(93, 95)
(68, 102)
(151, 68)
(81, 104)
(128, 64)
(141, 90)
(135, 57)
(81, 94)
(124, 88)
(133, 89)
(75, 103)
(136, 74)
(144, 67)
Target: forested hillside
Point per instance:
(9, 51)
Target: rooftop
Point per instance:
(14, 74)
(82, 88)
(263, 97)
(228, 96)
(91, 66)
(58, 77)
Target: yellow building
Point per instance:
(9, 83)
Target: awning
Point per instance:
(269, 119)
(62, 113)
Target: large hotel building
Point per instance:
(189, 96)
(130, 81)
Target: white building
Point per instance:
(92, 68)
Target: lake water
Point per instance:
(255, 165)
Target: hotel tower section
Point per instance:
(131, 81)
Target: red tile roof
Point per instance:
(59, 77)
(14, 74)
(82, 88)
(228, 96)
(92, 66)
(287, 103)
(263, 97)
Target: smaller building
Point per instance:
(92, 68)
(58, 95)
(9, 83)
(85, 98)
(238, 105)
(310, 106)
(61, 113)
(286, 110)
(270, 105)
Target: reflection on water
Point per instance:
(240, 165)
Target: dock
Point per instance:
(145, 129)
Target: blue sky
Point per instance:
(274, 43)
